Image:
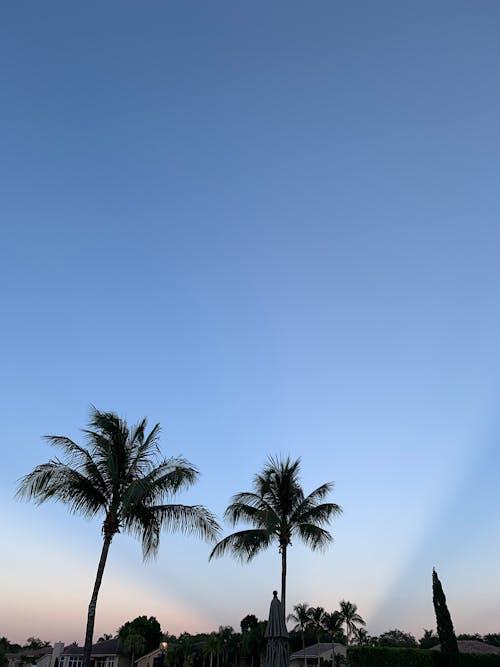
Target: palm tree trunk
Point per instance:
(89, 633)
(283, 581)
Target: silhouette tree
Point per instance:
(134, 644)
(300, 617)
(249, 622)
(119, 475)
(147, 628)
(444, 623)
(350, 617)
(317, 616)
(397, 639)
(333, 625)
(278, 510)
(428, 639)
(211, 646)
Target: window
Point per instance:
(71, 661)
(104, 661)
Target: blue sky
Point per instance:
(274, 229)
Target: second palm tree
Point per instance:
(278, 510)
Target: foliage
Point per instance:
(428, 639)
(134, 645)
(316, 620)
(358, 656)
(143, 627)
(7, 647)
(249, 622)
(364, 639)
(444, 623)
(465, 659)
(300, 616)
(278, 510)
(122, 477)
(211, 646)
(349, 614)
(367, 656)
(492, 638)
(253, 643)
(35, 643)
(397, 639)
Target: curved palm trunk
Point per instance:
(283, 580)
(89, 633)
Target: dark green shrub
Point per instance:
(371, 656)
(374, 656)
(479, 660)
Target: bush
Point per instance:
(374, 656)
(368, 656)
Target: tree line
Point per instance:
(225, 646)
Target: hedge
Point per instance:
(367, 656)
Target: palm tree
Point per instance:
(316, 622)
(301, 619)
(121, 476)
(211, 646)
(278, 510)
(351, 618)
(332, 623)
(134, 644)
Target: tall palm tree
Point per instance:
(300, 617)
(278, 510)
(121, 476)
(351, 618)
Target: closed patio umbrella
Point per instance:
(276, 635)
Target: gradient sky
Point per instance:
(273, 227)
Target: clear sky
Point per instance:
(274, 228)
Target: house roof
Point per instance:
(30, 652)
(107, 647)
(151, 654)
(472, 646)
(316, 649)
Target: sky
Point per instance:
(273, 228)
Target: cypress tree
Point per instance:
(443, 618)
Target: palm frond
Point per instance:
(81, 459)
(262, 517)
(320, 493)
(249, 498)
(57, 481)
(147, 522)
(162, 481)
(146, 450)
(318, 514)
(244, 544)
(314, 536)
